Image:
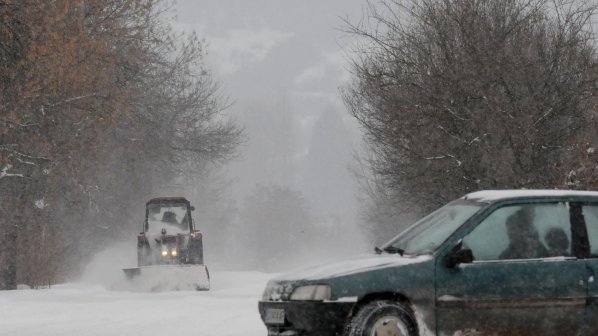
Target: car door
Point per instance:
(511, 288)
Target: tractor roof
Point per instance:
(172, 199)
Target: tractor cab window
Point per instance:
(170, 217)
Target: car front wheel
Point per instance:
(383, 318)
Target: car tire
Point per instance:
(383, 318)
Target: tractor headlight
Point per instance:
(174, 253)
(311, 293)
(164, 253)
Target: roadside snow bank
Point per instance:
(228, 309)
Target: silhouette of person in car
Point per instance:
(557, 241)
(524, 238)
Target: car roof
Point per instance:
(498, 195)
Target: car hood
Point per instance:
(358, 264)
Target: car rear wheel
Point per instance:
(383, 318)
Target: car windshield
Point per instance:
(171, 217)
(425, 235)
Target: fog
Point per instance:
(281, 64)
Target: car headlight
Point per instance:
(311, 293)
(174, 253)
(277, 291)
(164, 253)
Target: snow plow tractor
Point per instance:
(169, 249)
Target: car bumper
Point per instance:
(307, 318)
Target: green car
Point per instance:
(507, 262)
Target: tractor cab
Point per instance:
(169, 215)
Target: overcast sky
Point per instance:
(273, 47)
(288, 55)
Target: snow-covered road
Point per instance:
(229, 308)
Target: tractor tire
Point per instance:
(144, 256)
(383, 318)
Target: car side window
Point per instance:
(526, 231)
(590, 214)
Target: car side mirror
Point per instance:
(192, 208)
(458, 256)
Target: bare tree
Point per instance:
(461, 95)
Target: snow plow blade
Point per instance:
(168, 277)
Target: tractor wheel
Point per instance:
(143, 256)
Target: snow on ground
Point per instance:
(103, 303)
(229, 308)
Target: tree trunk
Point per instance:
(10, 268)
(8, 238)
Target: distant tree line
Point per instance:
(101, 104)
(461, 95)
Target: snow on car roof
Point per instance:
(495, 195)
